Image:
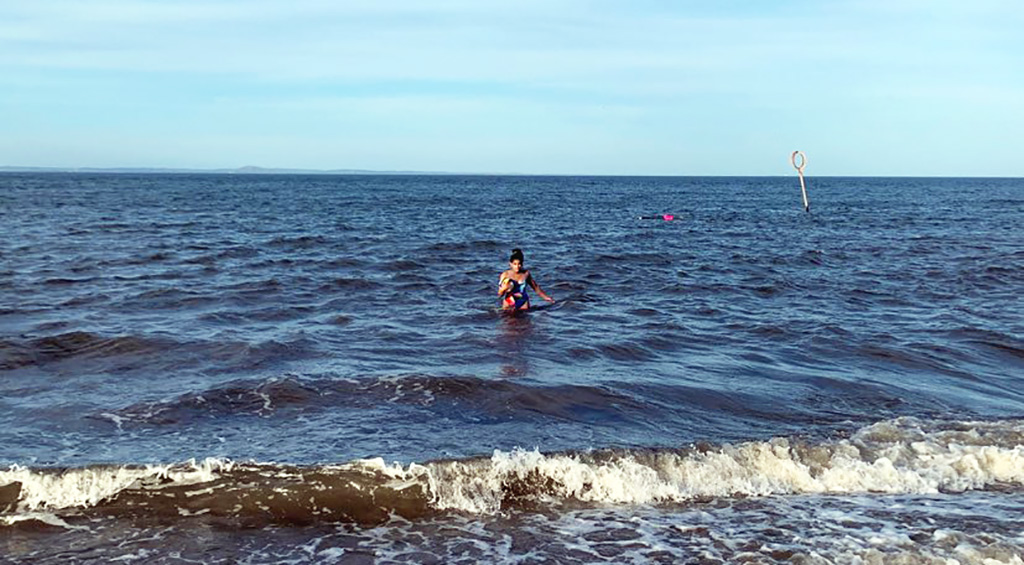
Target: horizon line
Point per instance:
(258, 170)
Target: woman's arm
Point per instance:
(534, 286)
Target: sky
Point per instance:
(637, 87)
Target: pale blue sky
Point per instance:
(865, 87)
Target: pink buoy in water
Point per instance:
(666, 217)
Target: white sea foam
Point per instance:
(894, 457)
(864, 529)
(87, 486)
(890, 457)
(118, 420)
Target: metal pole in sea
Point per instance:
(800, 169)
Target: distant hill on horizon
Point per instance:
(254, 170)
(247, 170)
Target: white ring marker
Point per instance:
(800, 169)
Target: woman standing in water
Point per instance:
(513, 282)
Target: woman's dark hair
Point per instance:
(516, 254)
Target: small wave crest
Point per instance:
(38, 351)
(92, 351)
(892, 457)
(454, 396)
(242, 397)
(55, 489)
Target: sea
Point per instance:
(243, 368)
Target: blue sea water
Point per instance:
(231, 368)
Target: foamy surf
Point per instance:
(903, 456)
(77, 488)
(899, 456)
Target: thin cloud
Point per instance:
(677, 73)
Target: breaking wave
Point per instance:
(896, 456)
